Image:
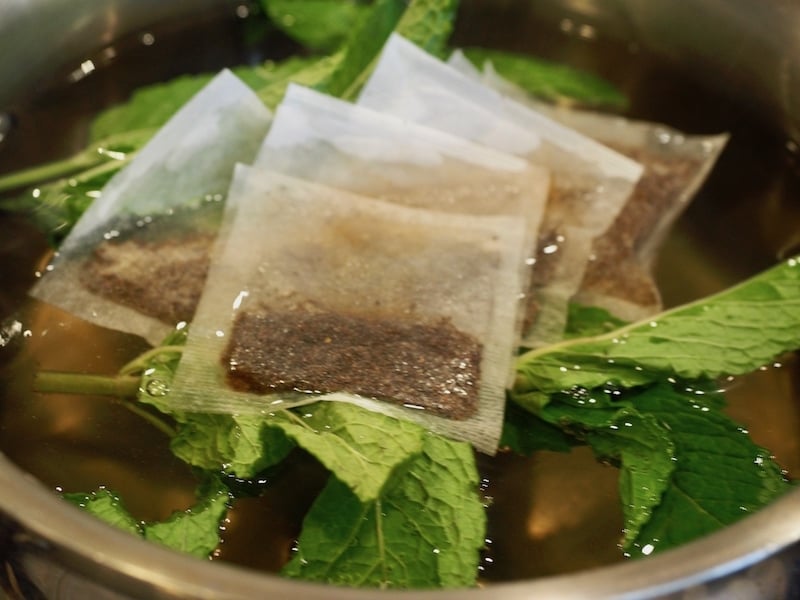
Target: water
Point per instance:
(552, 513)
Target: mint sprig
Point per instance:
(425, 530)
(730, 333)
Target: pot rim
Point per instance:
(42, 524)
(46, 525)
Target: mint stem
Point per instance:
(123, 388)
(53, 170)
(95, 385)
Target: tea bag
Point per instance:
(319, 294)
(137, 259)
(320, 138)
(323, 139)
(590, 182)
(619, 275)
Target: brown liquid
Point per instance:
(552, 513)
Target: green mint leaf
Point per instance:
(525, 433)
(243, 445)
(148, 108)
(720, 475)
(636, 441)
(429, 23)
(426, 530)
(196, 530)
(314, 73)
(321, 25)
(585, 321)
(730, 333)
(344, 70)
(550, 81)
(363, 47)
(56, 206)
(360, 447)
(107, 506)
(193, 531)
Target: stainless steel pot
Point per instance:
(54, 548)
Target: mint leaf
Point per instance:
(364, 45)
(55, 207)
(314, 73)
(550, 81)
(525, 433)
(686, 468)
(196, 530)
(730, 333)
(426, 529)
(107, 506)
(361, 448)
(149, 107)
(636, 441)
(243, 445)
(585, 321)
(429, 23)
(321, 25)
(720, 475)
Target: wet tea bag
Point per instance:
(619, 276)
(320, 138)
(590, 182)
(136, 260)
(320, 294)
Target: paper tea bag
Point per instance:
(136, 260)
(590, 182)
(320, 138)
(319, 294)
(619, 277)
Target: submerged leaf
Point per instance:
(242, 445)
(107, 506)
(634, 440)
(686, 469)
(426, 530)
(196, 530)
(585, 321)
(720, 475)
(525, 433)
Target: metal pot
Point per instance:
(49, 546)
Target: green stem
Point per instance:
(49, 382)
(123, 388)
(141, 362)
(150, 418)
(53, 170)
(117, 149)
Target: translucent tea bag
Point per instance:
(136, 260)
(320, 138)
(320, 294)
(619, 276)
(590, 182)
(323, 139)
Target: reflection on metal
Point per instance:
(40, 35)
